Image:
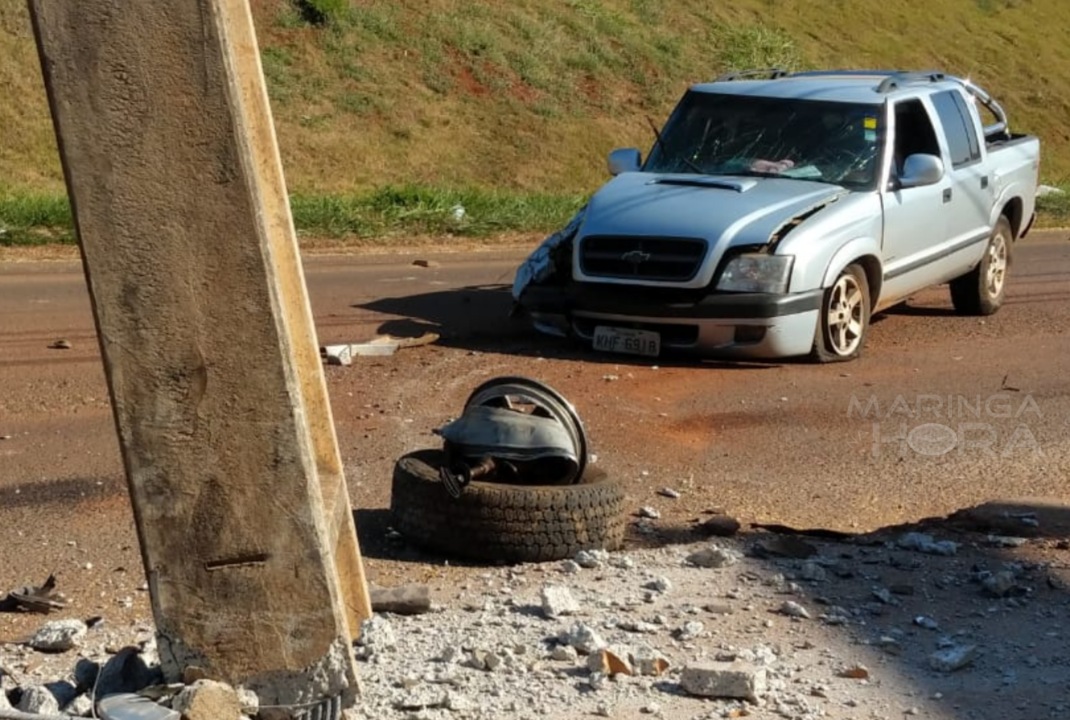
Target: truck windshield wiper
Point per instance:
(661, 144)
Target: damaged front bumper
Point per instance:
(744, 325)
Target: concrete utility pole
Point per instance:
(209, 348)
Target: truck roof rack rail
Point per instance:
(898, 79)
(770, 74)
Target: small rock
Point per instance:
(376, 635)
(651, 708)
(669, 493)
(855, 672)
(603, 710)
(794, 609)
(58, 636)
(926, 544)
(648, 662)
(661, 585)
(1000, 584)
(611, 378)
(690, 631)
(621, 562)
(953, 658)
(569, 567)
(926, 622)
(719, 526)
(557, 601)
(207, 700)
(81, 706)
(427, 263)
(591, 559)
(610, 661)
(713, 557)
(885, 596)
(649, 513)
(563, 653)
(584, 639)
(738, 680)
(60, 345)
(38, 700)
(812, 572)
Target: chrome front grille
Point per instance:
(642, 258)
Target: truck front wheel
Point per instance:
(981, 291)
(844, 320)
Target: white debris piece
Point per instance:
(648, 512)
(714, 556)
(725, 680)
(557, 601)
(59, 636)
(926, 544)
(583, 638)
(376, 635)
(953, 658)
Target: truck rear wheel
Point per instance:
(982, 290)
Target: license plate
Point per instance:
(626, 340)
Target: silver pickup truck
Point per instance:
(777, 212)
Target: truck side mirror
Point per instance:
(921, 169)
(624, 160)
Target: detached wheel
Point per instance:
(500, 522)
(982, 290)
(844, 321)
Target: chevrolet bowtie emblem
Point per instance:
(635, 257)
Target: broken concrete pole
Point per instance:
(209, 349)
(725, 680)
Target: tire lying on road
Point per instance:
(505, 522)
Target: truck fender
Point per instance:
(1010, 196)
(864, 249)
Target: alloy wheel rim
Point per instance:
(845, 312)
(997, 266)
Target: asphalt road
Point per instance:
(941, 413)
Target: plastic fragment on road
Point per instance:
(382, 346)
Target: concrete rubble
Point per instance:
(697, 631)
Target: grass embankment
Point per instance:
(391, 112)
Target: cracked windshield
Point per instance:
(827, 142)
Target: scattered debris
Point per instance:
(669, 493)
(926, 544)
(60, 345)
(427, 263)
(42, 599)
(610, 661)
(649, 513)
(382, 346)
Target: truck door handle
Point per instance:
(947, 195)
(984, 182)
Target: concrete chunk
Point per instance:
(737, 680)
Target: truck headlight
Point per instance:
(757, 272)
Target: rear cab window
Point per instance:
(959, 128)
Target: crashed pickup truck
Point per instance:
(777, 212)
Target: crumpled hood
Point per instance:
(723, 210)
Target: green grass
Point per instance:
(378, 216)
(522, 100)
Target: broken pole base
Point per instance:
(209, 349)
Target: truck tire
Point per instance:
(843, 321)
(500, 522)
(982, 290)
